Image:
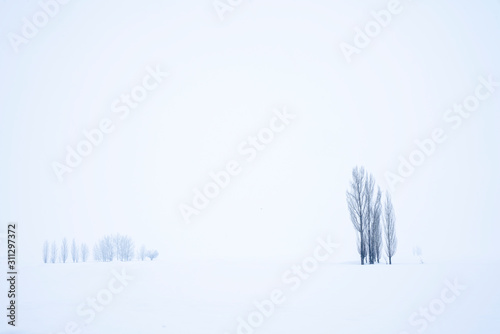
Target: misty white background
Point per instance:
(225, 78)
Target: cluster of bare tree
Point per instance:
(367, 213)
(417, 251)
(147, 253)
(106, 249)
(51, 254)
(117, 247)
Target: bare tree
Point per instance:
(74, 251)
(417, 251)
(64, 250)
(84, 250)
(152, 254)
(117, 245)
(107, 248)
(369, 186)
(127, 249)
(45, 251)
(104, 249)
(377, 227)
(53, 252)
(391, 241)
(97, 253)
(362, 240)
(356, 202)
(142, 253)
(124, 247)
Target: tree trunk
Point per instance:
(361, 247)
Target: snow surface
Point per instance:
(208, 297)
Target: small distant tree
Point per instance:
(417, 251)
(45, 251)
(152, 254)
(74, 251)
(124, 248)
(142, 253)
(53, 252)
(97, 252)
(107, 248)
(104, 249)
(117, 245)
(64, 250)
(391, 241)
(84, 250)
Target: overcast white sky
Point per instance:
(225, 79)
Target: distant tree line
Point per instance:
(109, 248)
(368, 213)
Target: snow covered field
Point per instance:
(212, 132)
(210, 297)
